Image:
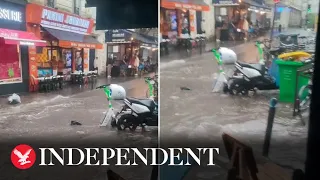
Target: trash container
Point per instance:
(288, 74)
(274, 71)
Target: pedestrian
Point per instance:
(109, 65)
(79, 61)
(54, 65)
(245, 28)
(131, 64)
(136, 64)
(61, 65)
(231, 28)
(123, 65)
(219, 25)
(280, 28)
(95, 67)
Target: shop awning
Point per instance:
(118, 36)
(127, 36)
(145, 39)
(20, 37)
(254, 6)
(69, 39)
(198, 5)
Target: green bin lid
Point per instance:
(288, 63)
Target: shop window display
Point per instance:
(171, 21)
(52, 61)
(10, 64)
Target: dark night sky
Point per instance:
(126, 14)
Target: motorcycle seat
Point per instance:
(258, 67)
(275, 51)
(145, 102)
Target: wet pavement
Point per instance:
(49, 114)
(235, 44)
(43, 119)
(199, 117)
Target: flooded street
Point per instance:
(199, 116)
(49, 115)
(44, 120)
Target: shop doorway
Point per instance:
(92, 54)
(199, 20)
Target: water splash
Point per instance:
(172, 63)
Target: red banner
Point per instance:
(52, 18)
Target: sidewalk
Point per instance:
(68, 90)
(175, 55)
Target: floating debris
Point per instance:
(75, 123)
(185, 88)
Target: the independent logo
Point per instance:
(23, 156)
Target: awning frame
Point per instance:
(68, 43)
(171, 4)
(22, 41)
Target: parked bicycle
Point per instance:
(304, 95)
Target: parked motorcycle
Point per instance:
(136, 112)
(250, 77)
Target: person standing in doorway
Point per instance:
(280, 28)
(219, 25)
(95, 64)
(79, 62)
(136, 64)
(245, 28)
(109, 66)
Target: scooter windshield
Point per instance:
(260, 50)
(108, 92)
(217, 55)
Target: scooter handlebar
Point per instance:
(103, 86)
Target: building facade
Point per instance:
(15, 45)
(312, 15)
(78, 7)
(289, 14)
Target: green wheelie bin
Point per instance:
(288, 74)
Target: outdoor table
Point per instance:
(50, 83)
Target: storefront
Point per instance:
(236, 10)
(120, 43)
(124, 42)
(68, 41)
(178, 18)
(14, 45)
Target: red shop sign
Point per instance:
(52, 18)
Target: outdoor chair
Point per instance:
(55, 83)
(44, 85)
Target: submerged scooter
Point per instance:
(136, 112)
(250, 77)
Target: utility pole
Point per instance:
(307, 13)
(274, 17)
